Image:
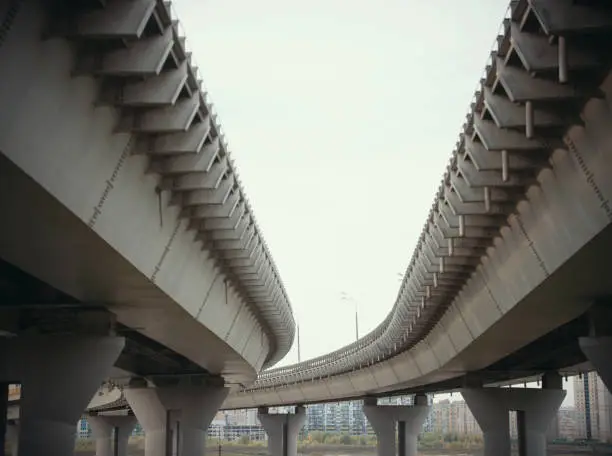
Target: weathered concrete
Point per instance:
(277, 426)
(178, 416)
(59, 376)
(409, 420)
(102, 428)
(491, 408)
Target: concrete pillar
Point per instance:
(58, 376)
(280, 426)
(554, 381)
(491, 408)
(383, 419)
(12, 437)
(107, 442)
(175, 419)
(598, 351)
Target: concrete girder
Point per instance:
(521, 86)
(493, 178)
(169, 119)
(162, 90)
(485, 160)
(258, 255)
(454, 264)
(537, 53)
(468, 194)
(156, 91)
(237, 233)
(459, 207)
(261, 267)
(267, 281)
(254, 267)
(443, 243)
(125, 20)
(507, 114)
(237, 244)
(206, 211)
(561, 17)
(144, 57)
(497, 139)
(199, 179)
(190, 172)
(183, 142)
(244, 253)
(470, 232)
(211, 196)
(262, 277)
(229, 223)
(468, 221)
(434, 258)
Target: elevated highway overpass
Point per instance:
(119, 193)
(515, 248)
(128, 247)
(509, 277)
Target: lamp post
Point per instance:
(346, 297)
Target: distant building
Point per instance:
(593, 408)
(567, 423)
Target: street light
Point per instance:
(346, 297)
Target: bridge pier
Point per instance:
(102, 427)
(58, 376)
(409, 421)
(282, 430)
(597, 350)
(175, 418)
(535, 409)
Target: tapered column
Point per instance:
(491, 408)
(282, 430)
(598, 351)
(58, 376)
(175, 419)
(409, 419)
(112, 433)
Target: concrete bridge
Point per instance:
(509, 278)
(128, 248)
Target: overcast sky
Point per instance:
(341, 115)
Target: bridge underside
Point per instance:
(28, 305)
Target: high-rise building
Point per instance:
(593, 408)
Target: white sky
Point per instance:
(341, 115)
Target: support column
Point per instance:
(283, 430)
(107, 443)
(58, 376)
(552, 381)
(597, 350)
(383, 419)
(491, 408)
(175, 419)
(12, 437)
